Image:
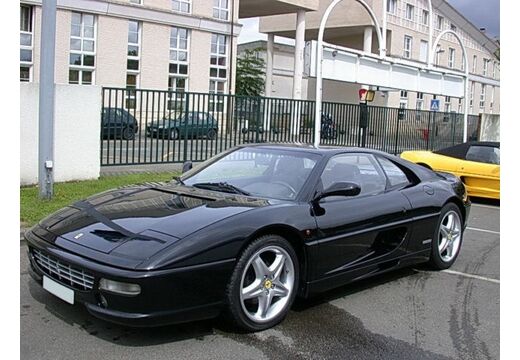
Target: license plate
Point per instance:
(63, 292)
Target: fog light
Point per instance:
(119, 288)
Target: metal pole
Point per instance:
(430, 35)
(466, 102)
(46, 101)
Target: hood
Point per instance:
(133, 224)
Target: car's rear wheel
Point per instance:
(128, 133)
(447, 240)
(263, 285)
(212, 134)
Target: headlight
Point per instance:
(119, 288)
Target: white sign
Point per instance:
(435, 105)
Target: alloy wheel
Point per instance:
(267, 284)
(450, 233)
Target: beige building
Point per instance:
(151, 44)
(349, 25)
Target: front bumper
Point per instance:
(167, 296)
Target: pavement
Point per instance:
(412, 313)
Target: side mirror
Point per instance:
(340, 189)
(187, 166)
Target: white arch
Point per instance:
(319, 60)
(466, 73)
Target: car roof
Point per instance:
(300, 147)
(459, 151)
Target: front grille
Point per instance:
(63, 272)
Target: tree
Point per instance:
(250, 74)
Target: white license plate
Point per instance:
(63, 292)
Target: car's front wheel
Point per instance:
(447, 239)
(264, 283)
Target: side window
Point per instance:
(395, 175)
(484, 154)
(361, 169)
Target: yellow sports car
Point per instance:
(476, 163)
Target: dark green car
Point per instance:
(193, 124)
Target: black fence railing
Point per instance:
(152, 126)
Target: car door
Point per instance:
(480, 171)
(363, 230)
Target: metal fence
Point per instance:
(152, 126)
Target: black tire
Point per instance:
(174, 134)
(212, 134)
(234, 312)
(436, 260)
(127, 133)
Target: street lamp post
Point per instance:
(319, 60)
(46, 101)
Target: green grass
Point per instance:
(33, 209)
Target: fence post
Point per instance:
(397, 135)
(428, 131)
(186, 118)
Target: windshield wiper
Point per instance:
(179, 180)
(222, 186)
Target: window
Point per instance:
(423, 51)
(403, 99)
(218, 71)
(396, 177)
(138, 2)
(82, 49)
(220, 9)
(438, 52)
(474, 67)
(361, 169)
(440, 22)
(492, 99)
(425, 17)
(391, 6)
(453, 27)
(471, 94)
(132, 61)
(26, 42)
(482, 102)
(178, 67)
(459, 110)
(451, 58)
(181, 6)
(409, 12)
(447, 107)
(494, 73)
(407, 51)
(484, 154)
(484, 66)
(419, 103)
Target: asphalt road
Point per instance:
(408, 314)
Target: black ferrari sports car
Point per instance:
(244, 233)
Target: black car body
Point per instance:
(118, 123)
(181, 243)
(193, 124)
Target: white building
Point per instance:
(407, 37)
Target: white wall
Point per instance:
(490, 128)
(76, 133)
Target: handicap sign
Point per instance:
(435, 104)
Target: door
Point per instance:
(480, 171)
(362, 230)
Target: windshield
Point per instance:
(272, 173)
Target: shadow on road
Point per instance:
(77, 315)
